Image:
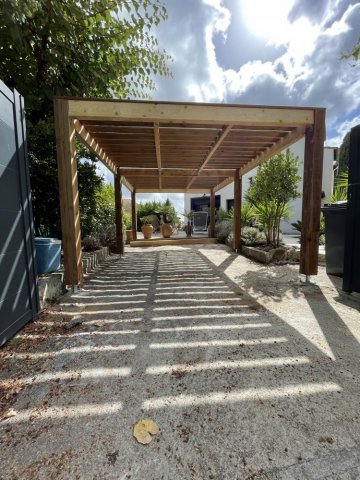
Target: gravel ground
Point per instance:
(248, 372)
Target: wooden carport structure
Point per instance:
(183, 147)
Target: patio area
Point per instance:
(249, 373)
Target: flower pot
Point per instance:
(129, 236)
(147, 231)
(188, 229)
(166, 230)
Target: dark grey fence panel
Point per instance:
(18, 290)
(351, 277)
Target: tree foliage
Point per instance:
(79, 48)
(344, 154)
(271, 190)
(355, 52)
(74, 48)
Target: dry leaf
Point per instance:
(9, 413)
(144, 429)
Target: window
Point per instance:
(229, 204)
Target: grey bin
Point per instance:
(335, 221)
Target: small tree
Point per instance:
(271, 190)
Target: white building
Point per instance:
(225, 197)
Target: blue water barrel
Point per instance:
(48, 251)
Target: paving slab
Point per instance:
(248, 372)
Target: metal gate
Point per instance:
(351, 278)
(18, 289)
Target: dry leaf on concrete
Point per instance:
(144, 429)
(8, 414)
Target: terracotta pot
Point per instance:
(129, 236)
(166, 230)
(147, 231)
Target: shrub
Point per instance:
(252, 236)
(248, 215)
(91, 243)
(222, 230)
(221, 215)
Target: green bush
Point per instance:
(222, 230)
(90, 243)
(252, 236)
(221, 215)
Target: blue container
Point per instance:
(48, 251)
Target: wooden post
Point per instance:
(133, 214)
(237, 210)
(68, 193)
(118, 214)
(311, 203)
(212, 214)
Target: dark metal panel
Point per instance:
(351, 277)
(18, 288)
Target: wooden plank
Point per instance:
(158, 150)
(118, 214)
(93, 146)
(213, 150)
(283, 143)
(237, 211)
(212, 214)
(175, 172)
(68, 193)
(186, 113)
(158, 242)
(133, 214)
(312, 187)
(173, 190)
(223, 184)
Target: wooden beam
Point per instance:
(176, 172)
(225, 132)
(312, 187)
(237, 210)
(68, 193)
(173, 190)
(283, 143)
(133, 214)
(158, 150)
(190, 113)
(223, 184)
(118, 214)
(91, 143)
(212, 214)
(93, 146)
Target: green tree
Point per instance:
(271, 190)
(344, 154)
(355, 52)
(77, 48)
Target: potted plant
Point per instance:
(147, 228)
(167, 214)
(188, 227)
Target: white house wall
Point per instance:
(297, 149)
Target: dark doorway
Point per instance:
(18, 288)
(202, 204)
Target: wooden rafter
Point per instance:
(92, 144)
(280, 145)
(176, 172)
(158, 150)
(209, 156)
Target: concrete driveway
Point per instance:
(249, 374)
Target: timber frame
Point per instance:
(183, 147)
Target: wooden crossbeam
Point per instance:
(176, 172)
(214, 148)
(165, 112)
(158, 150)
(280, 145)
(92, 145)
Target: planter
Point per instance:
(48, 252)
(166, 230)
(188, 229)
(335, 222)
(147, 231)
(129, 236)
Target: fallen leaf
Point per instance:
(8, 414)
(144, 429)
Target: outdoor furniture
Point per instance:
(200, 221)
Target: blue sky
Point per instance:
(268, 52)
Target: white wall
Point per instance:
(297, 148)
